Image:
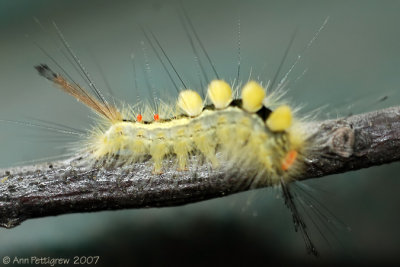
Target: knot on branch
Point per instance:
(341, 141)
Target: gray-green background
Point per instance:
(353, 63)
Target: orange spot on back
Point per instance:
(289, 159)
(156, 117)
(139, 118)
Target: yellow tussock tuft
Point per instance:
(220, 93)
(253, 95)
(190, 102)
(280, 119)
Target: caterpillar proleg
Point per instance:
(214, 122)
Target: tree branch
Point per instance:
(72, 185)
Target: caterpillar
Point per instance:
(228, 127)
(149, 117)
(241, 135)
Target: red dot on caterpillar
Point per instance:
(156, 117)
(139, 118)
(289, 160)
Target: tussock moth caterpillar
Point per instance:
(243, 131)
(75, 42)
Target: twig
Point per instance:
(68, 186)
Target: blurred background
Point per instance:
(351, 67)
